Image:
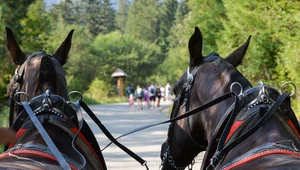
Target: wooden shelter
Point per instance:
(120, 75)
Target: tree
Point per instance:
(254, 18)
(177, 58)
(143, 20)
(138, 58)
(99, 16)
(167, 19)
(208, 16)
(71, 11)
(11, 14)
(36, 27)
(121, 15)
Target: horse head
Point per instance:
(206, 78)
(36, 72)
(40, 81)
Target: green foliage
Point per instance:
(11, 12)
(36, 27)
(151, 45)
(167, 19)
(137, 58)
(273, 49)
(100, 17)
(69, 11)
(207, 15)
(98, 93)
(177, 58)
(4, 113)
(121, 15)
(97, 90)
(143, 20)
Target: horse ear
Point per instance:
(62, 52)
(195, 48)
(236, 57)
(15, 51)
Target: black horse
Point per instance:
(50, 134)
(255, 129)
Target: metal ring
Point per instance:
(289, 83)
(75, 92)
(18, 93)
(236, 83)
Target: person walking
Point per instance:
(162, 90)
(129, 90)
(168, 91)
(146, 97)
(152, 95)
(131, 102)
(158, 96)
(139, 96)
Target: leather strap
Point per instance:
(223, 150)
(109, 135)
(61, 160)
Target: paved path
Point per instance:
(118, 119)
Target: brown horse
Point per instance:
(235, 132)
(39, 87)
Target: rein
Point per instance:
(129, 152)
(46, 106)
(223, 146)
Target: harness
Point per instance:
(262, 106)
(55, 110)
(184, 99)
(230, 136)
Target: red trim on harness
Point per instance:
(17, 136)
(75, 130)
(290, 123)
(35, 152)
(234, 127)
(255, 156)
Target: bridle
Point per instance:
(19, 107)
(228, 118)
(15, 108)
(183, 98)
(55, 106)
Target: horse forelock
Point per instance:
(42, 72)
(61, 79)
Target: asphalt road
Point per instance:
(118, 119)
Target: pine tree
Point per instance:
(71, 11)
(167, 19)
(208, 16)
(36, 27)
(121, 15)
(100, 16)
(143, 20)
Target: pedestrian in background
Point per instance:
(152, 95)
(131, 102)
(158, 95)
(146, 97)
(139, 96)
(168, 91)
